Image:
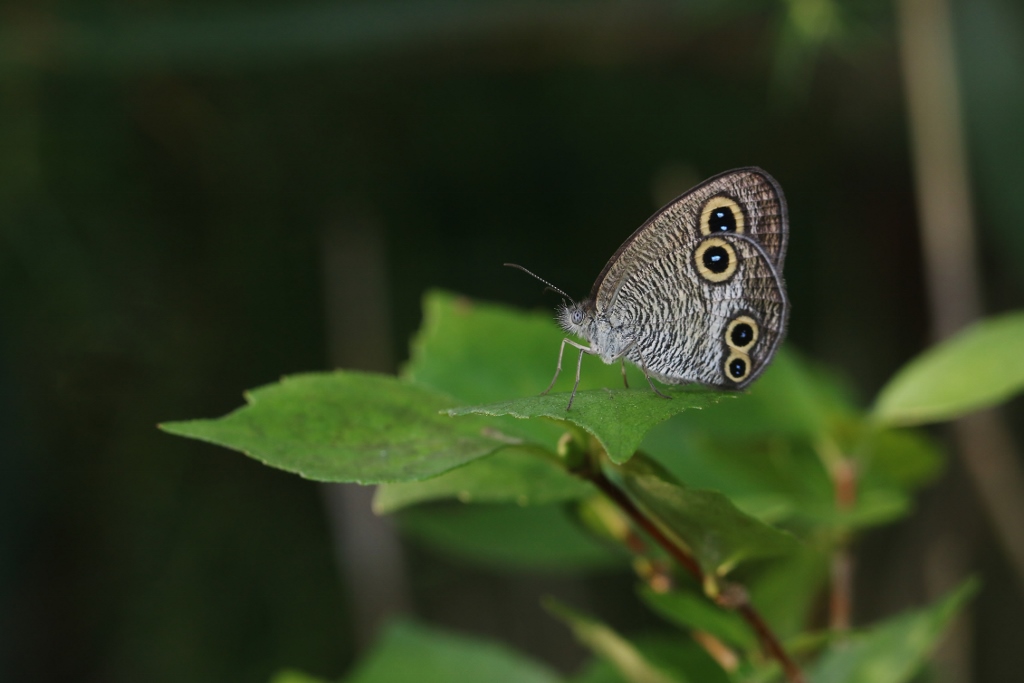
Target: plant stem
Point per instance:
(742, 605)
(843, 472)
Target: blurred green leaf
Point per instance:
(515, 474)
(631, 664)
(290, 676)
(346, 426)
(717, 533)
(692, 611)
(786, 589)
(618, 418)
(680, 657)
(773, 479)
(979, 367)
(410, 652)
(508, 537)
(792, 398)
(893, 651)
(900, 457)
(759, 448)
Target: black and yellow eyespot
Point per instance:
(722, 214)
(715, 259)
(737, 366)
(742, 333)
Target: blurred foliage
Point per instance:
(168, 169)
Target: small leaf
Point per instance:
(696, 612)
(717, 533)
(515, 474)
(346, 427)
(410, 652)
(894, 651)
(618, 418)
(979, 367)
(610, 646)
(508, 537)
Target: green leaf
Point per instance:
(682, 658)
(482, 352)
(979, 367)
(791, 399)
(410, 652)
(692, 611)
(894, 651)
(508, 537)
(347, 427)
(786, 590)
(516, 474)
(908, 459)
(631, 664)
(773, 479)
(290, 676)
(618, 418)
(717, 533)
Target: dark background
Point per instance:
(175, 177)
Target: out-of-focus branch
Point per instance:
(368, 548)
(947, 238)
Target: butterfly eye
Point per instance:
(721, 214)
(577, 316)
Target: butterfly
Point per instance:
(696, 294)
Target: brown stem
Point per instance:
(742, 605)
(844, 479)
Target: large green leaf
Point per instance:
(977, 368)
(482, 352)
(618, 418)
(508, 537)
(717, 533)
(693, 611)
(409, 652)
(627, 659)
(894, 651)
(516, 474)
(346, 426)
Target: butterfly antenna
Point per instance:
(550, 286)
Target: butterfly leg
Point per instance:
(643, 366)
(624, 380)
(579, 364)
(558, 370)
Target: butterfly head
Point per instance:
(577, 318)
